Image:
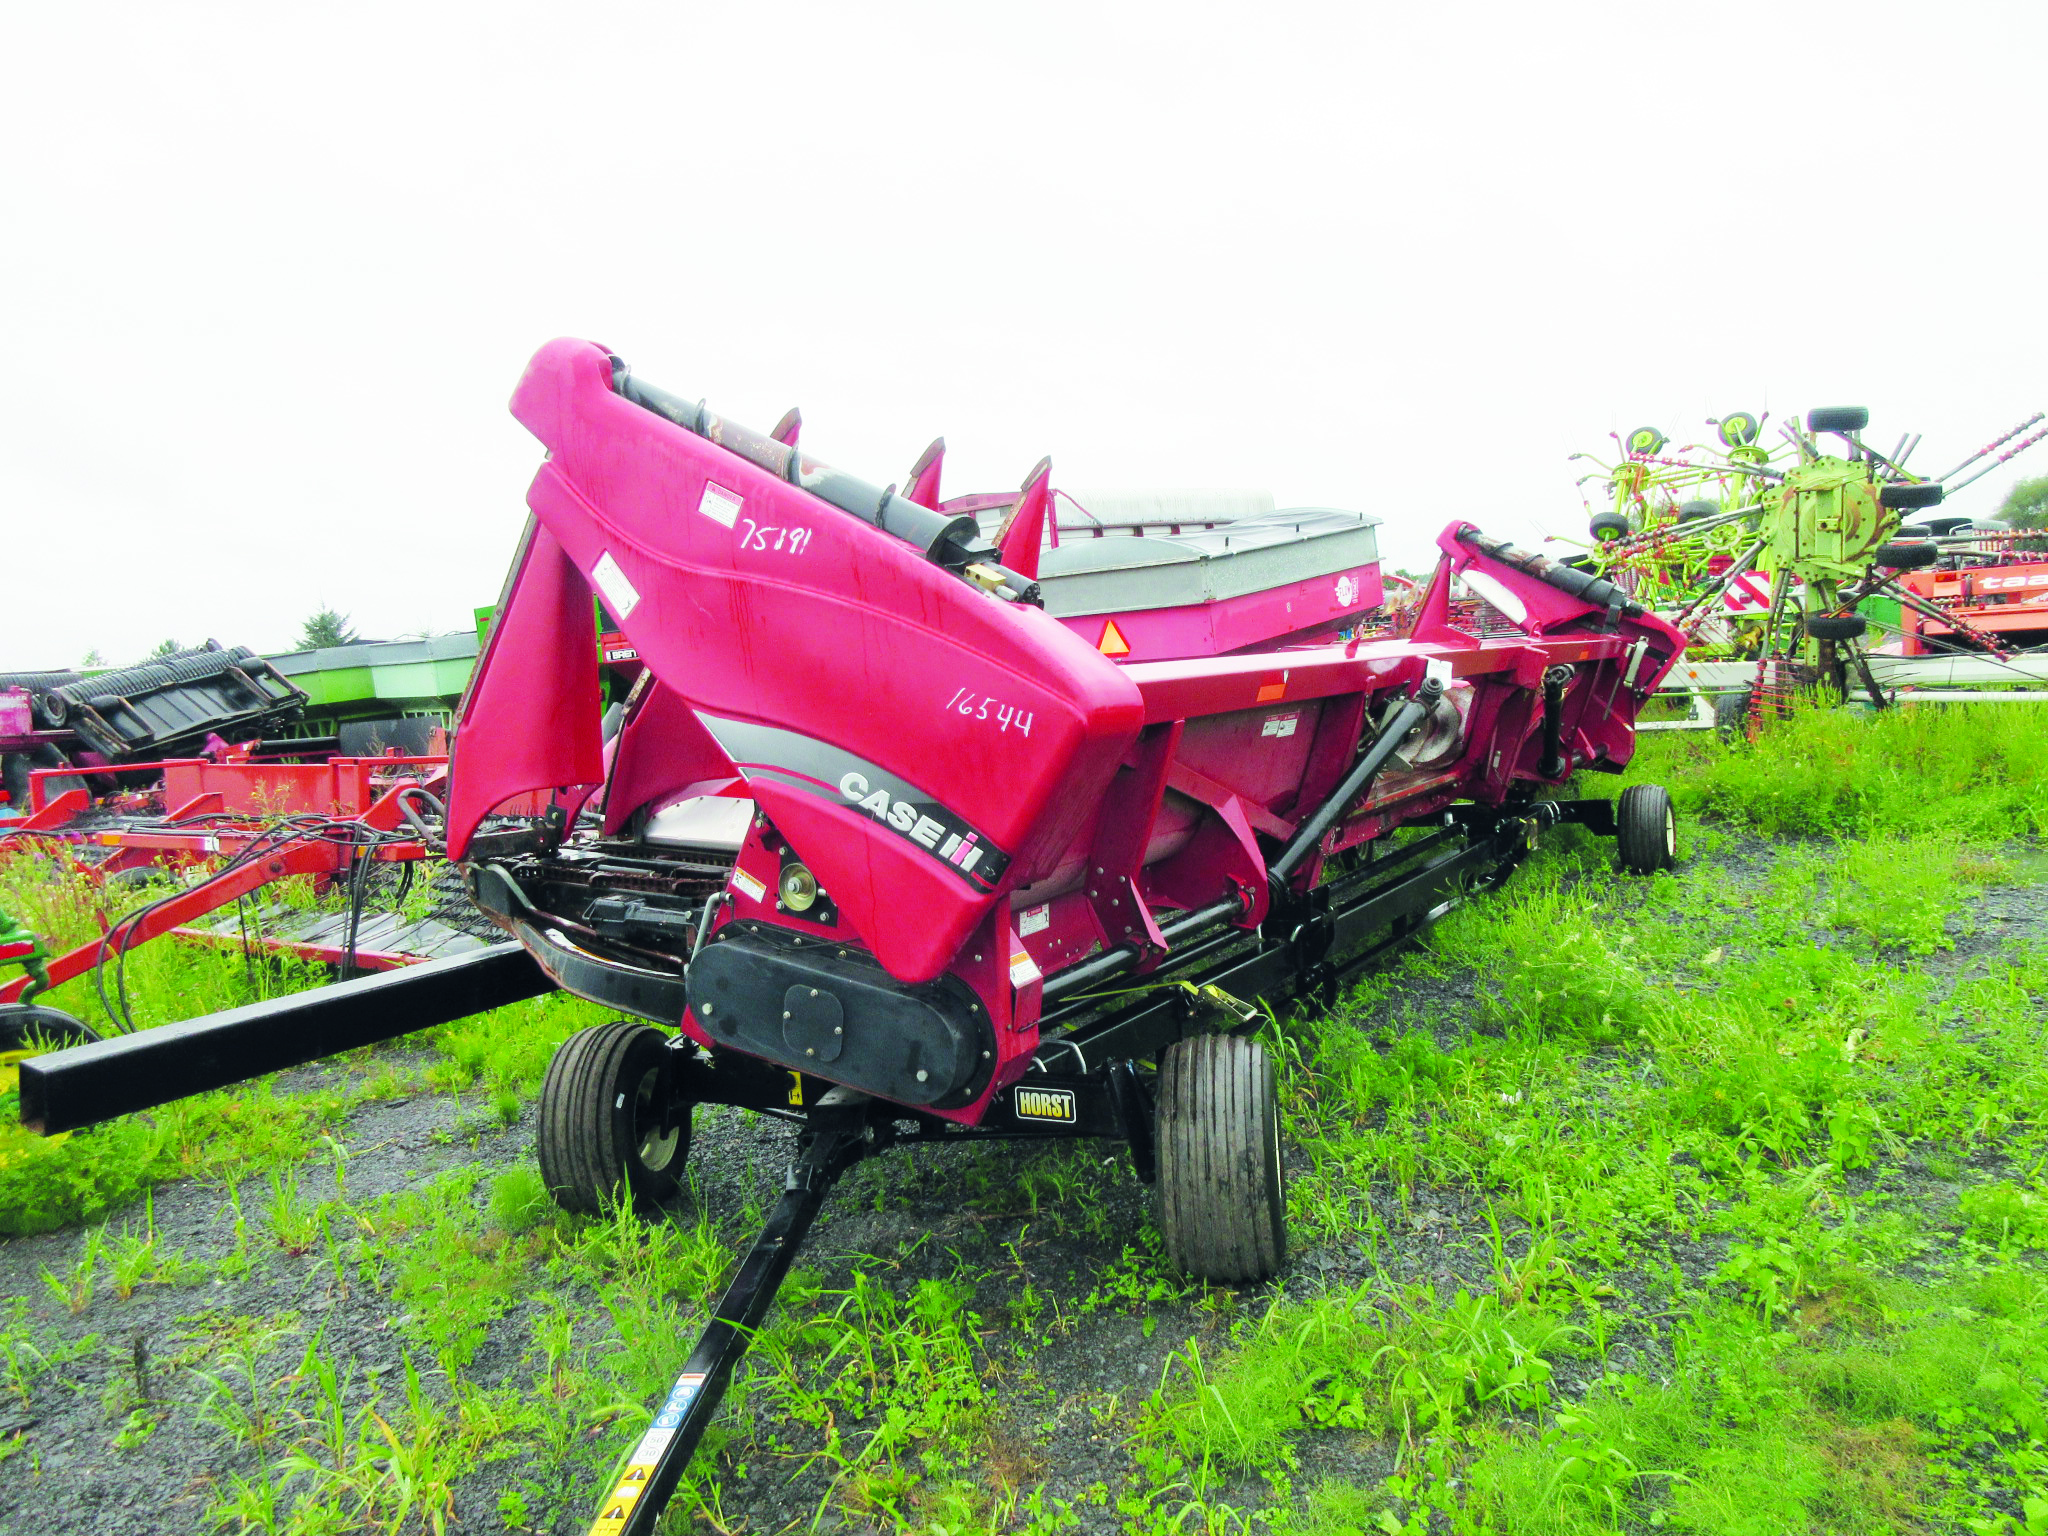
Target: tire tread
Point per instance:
(582, 1142)
(1219, 1212)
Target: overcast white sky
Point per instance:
(269, 273)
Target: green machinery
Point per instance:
(1779, 556)
(397, 693)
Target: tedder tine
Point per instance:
(839, 1135)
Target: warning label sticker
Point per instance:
(618, 592)
(747, 885)
(619, 1506)
(1034, 919)
(719, 504)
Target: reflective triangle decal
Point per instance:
(1113, 642)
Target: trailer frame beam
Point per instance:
(88, 1084)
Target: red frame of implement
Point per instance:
(806, 653)
(218, 810)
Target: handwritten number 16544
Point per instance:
(980, 706)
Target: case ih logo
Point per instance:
(926, 823)
(1046, 1104)
(818, 768)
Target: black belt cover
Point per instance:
(831, 1011)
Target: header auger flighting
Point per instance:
(885, 848)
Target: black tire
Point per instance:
(1644, 440)
(1836, 626)
(1607, 526)
(30, 1026)
(1739, 429)
(602, 1120)
(1905, 557)
(1838, 418)
(1222, 1189)
(1910, 496)
(1731, 714)
(1645, 829)
(1693, 511)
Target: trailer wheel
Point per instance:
(603, 1120)
(1731, 714)
(1837, 418)
(1609, 526)
(1645, 829)
(1910, 495)
(1222, 1195)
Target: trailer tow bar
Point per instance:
(840, 1133)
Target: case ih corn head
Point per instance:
(886, 849)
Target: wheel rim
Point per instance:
(654, 1147)
(1670, 833)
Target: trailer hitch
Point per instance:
(841, 1131)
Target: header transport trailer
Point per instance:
(885, 849)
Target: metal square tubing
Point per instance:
(88, 1084)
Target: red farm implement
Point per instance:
(237, 826)
(935, 821)
(109, 726)
(1982, 586)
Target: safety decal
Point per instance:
(617, 1508)
(1113, 642)
(1280, 725)
(748, 886)
(619, 595)
(719, 504)
(1034, 919)
(1023, 970)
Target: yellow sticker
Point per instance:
(796, 1089)
(619, 1506)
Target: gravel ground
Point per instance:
(904, 1217)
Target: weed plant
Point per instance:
(1715, 1202)
(1759, 1171)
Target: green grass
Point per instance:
(1715, 1202)
(1708, 1120)
(1978, 771)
